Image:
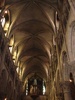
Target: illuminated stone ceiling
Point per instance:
(30, 33)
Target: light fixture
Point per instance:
(27, 88)
(6, 12)
(5, 99)
(70, 80)
(0, 10)
(44, 88)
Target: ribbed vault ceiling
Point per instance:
(32, 27)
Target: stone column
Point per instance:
(59, 92)
(58, 98)
(72, 4)
(66, 89)
(48, 90)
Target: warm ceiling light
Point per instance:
(6, 11)
(70, 80)
(0, 10)
(5, 99)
